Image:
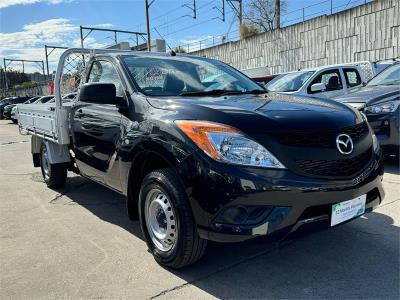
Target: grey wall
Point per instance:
(367, 32)
(36, 91)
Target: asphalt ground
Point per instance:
(77, 242)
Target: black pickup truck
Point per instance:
(202, 152)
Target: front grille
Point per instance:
(337, 168)
(320, 138)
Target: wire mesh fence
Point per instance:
(73, 73)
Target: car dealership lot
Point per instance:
(77, 242)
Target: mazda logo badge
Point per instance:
(344, 143)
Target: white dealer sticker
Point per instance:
(347, 210)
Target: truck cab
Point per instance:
(326, 82)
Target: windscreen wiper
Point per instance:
(256, 92)
(222, 92)
(210, 93)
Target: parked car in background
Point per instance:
(67, 98)
(260, 75)
(14, 116)
(379, 99)
(325, 82)
(382, 65)
(8, 101)
(44, 99)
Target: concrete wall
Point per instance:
(367, 32)
(35, 91)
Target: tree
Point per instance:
(179, 50)
(247, 31)
(14, 77)
(264, 15)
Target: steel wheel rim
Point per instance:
(45, 163)
(160, 220)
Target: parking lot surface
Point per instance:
(77, 242)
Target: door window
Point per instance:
(330, 78)
(352, 76)
(104, 71)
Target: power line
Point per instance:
(177, 20)
(194, 25)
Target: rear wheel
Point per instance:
(54, 175)
(14, 121)
(167, 220)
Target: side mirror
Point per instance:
(318, 87)
(98, 93)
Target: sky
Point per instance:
(27, 25)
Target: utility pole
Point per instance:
(81, 30)
(240, 12)
(277, 13)
(147, 5)
(5, 74)
(222, 10)
(237, 10)
(47, 54)
(192, 8)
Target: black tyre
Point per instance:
(14, 121)
(54, 175)
(167, 221)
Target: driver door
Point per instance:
(333, 82)
(96, 130)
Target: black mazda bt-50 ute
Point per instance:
(202, 152)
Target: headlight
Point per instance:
(385, 107)
(227, 144)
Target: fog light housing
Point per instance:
(243, 215)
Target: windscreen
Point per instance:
(390, 76)
(289, 82)
(178, 75)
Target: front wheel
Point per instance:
(167, 220)
(54, 175)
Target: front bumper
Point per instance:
(387, 129)
(294, 200)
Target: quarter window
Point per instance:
(352, 76)
(330, 78)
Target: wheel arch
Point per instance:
(147, 157)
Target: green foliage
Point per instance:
(247, 31)
(179, 50)
(13, 77)
(29, 84)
